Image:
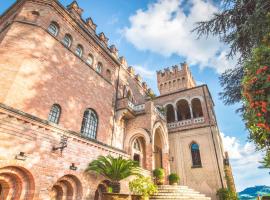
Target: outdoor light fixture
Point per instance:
(73, 167)
(62, 144)
(21, 156)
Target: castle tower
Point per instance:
(196, 150)
(175, 79)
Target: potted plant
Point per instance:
(142, 187)
(173, 179)
(114, 169)
(159, 175)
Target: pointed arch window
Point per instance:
(195, 154)
(89, 124)
(53, 28)
(54, 114)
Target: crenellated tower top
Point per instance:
(174, 79)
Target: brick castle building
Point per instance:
(66, 98)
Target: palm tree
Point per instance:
(114, 169)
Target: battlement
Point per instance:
(175, 78)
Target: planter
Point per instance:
(138, 197)
(160, 181)
(115, 196)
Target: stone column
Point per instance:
(175, 113)
(190, 108)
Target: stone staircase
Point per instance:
(177, 192)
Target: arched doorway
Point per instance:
(138, 151)
(16, 183)
(183, 110)
(67, 187)
(102, 188)
(158, 147)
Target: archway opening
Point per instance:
(138, 151)
(16, 183)
(196, 108)
(67, 187)
(183, 110)
(102, 188)
(170, 113)
(158, 147)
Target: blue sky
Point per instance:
(154, 34)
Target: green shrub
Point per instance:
(159, 173)
(226, 194)
(173, 178)
(143, 186)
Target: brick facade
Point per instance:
(39, 71)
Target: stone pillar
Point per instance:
(175, 113)
(190, 109)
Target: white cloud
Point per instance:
(245, 162)
(165, 28)
(144, 72)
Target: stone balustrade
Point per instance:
(161, 115)
(184, 123)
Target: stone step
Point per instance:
(177, 192)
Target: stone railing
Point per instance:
(136, 108)
(198, 120)
(161, 115)
(126, 103)
(184, 123)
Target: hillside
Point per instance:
(252, 192)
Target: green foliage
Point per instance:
(256, 96)
(225, 194)
(114, 169)
(173, 178)
(266, 161)
(159, 173)
(110, 190)
(242, 25)
(143, 186)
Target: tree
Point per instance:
(114, 169)
(242, 24)
(245, 25)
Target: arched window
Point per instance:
(89, 124)
(136, 145)
(196, 108)
(108, 74)
(79, 50)
(138, 151)
(54, 114)
(183, 110)
(67, 40)
(99, 67)
(170, 113)
(125, 92)
(90, 59)
(53, 28)
(195, 154)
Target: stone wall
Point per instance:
(21, 132)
